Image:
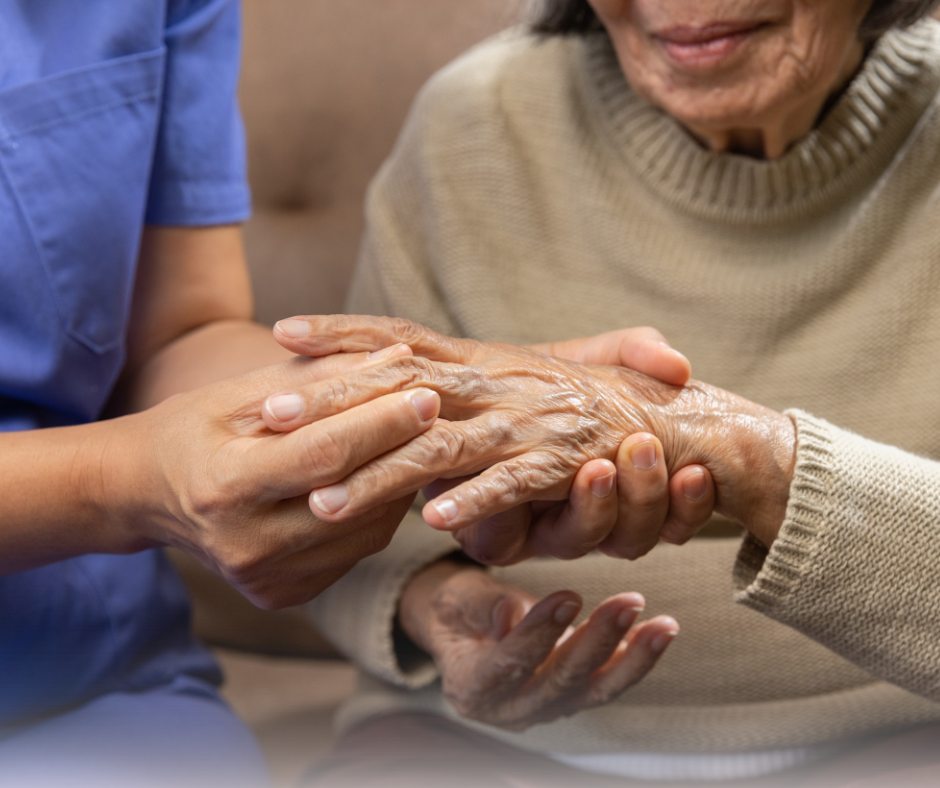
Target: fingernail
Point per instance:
(643, 456)
(661, 641)
(295, 329)
(426, 402)
(331, 499)
(602, 486)
(445, 508)
(635, 604)
(694, 487)
(285, 407)
(565, 613)
(388, 352)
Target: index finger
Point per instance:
(320, 335)
(292, 464)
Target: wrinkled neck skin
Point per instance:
(774, 136)
(750, 77)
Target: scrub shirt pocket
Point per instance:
(76, 150)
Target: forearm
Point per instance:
(58, 499)
(205, 355)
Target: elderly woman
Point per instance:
(761, 181)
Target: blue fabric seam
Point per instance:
(97, 110)
(27, 222)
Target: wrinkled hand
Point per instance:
(608, 504)
(233, 493)
(510, 661)
(525, 423)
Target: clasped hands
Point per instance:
(525, 462)
(519, 426)
(526, 450)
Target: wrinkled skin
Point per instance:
(640, 500)
(748, 76)
(509, 660)
(522, 424)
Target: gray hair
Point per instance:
(567, 17)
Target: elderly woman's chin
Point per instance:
(745, 76)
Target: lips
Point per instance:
(699, 48)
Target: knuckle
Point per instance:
(627, 549)
(566, 551)
(412, 371)
(443, 447)
(511, 669)
(407, 331)
(565, 678)
(514, 481)
(325, 454)
(337, 392)
(243, 566)
(216, 493)
(601, 695)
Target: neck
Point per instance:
(774, 136)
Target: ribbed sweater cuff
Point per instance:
(764, 579)
(855, 563)
(358, 613)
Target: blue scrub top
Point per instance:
(113, 114)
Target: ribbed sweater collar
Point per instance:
(847, 151)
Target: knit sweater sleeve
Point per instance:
(358, 613)
(855, 566)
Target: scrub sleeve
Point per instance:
(112, 115)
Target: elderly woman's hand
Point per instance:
(511, 661)
(529, 422)
(607, 503)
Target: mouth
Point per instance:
(708, 46)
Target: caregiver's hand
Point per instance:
(225, 488)
(509, 660)
(529, 422)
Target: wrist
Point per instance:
(749, 449)
(126, 484)
(416, 605)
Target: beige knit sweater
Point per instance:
(534, 197)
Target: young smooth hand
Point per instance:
(233, 493)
